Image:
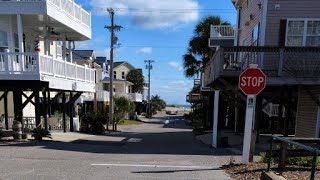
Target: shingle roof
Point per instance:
(83, 53)
(116, 64)
(100, 60)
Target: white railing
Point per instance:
(33, 63)
(17, 63)
(222, 31)
(121, 94)
(136, 97)
(103, 95)
(73, 10)
(67, 70)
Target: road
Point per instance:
(158, 149)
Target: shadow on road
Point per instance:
(174, 171)
(178, 141)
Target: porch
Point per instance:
(59, 13)
(282, 65)
(62, 75)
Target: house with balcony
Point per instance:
(282, 38)
(36, 59)
(122, 87)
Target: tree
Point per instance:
(198, 53)
(122, 106)
(136, 77)
(157, 104)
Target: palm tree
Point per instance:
(199, 53)
(135, 76)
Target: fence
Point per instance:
(304, 151)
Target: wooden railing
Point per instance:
(291, 62)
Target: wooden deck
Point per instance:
(283, 66)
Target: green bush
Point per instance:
(95, 120)
(122, 105)
(264, 157)
(302, 161)
(39, 133)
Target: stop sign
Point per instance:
(252, 81)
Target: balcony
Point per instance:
(222, 35)
(60, 74)
(289, 65)
(66, 12)
(135, 97)
(103, 96)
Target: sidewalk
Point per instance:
(69, 136)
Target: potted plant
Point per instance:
(27, 133)
(39, 133)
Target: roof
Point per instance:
(117, 64)
(84, 54)
(100, 60)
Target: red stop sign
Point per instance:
(252, 81)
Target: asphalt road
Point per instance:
(162, 148)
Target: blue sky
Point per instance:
(157, 30)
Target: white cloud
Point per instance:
(151, 14)
(173, 92)
(145, 50)
(176, 65)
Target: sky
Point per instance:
(156, 30)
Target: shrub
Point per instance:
(95, 120)
(39, 133)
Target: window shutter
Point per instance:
(282, 32)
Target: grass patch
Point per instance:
(129, 122)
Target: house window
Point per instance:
(123, 76)
(295, 33)
(3, 41)
(313, 33)
(114, 74)
(255, 35)
(303, 33)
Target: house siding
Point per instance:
(288, 9)
(247, 24)
(307, 113)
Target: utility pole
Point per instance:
(113, 41)
(149, 67)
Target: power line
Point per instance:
(156, 47)
(149, 67)
(154, 10)
(114, 40)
